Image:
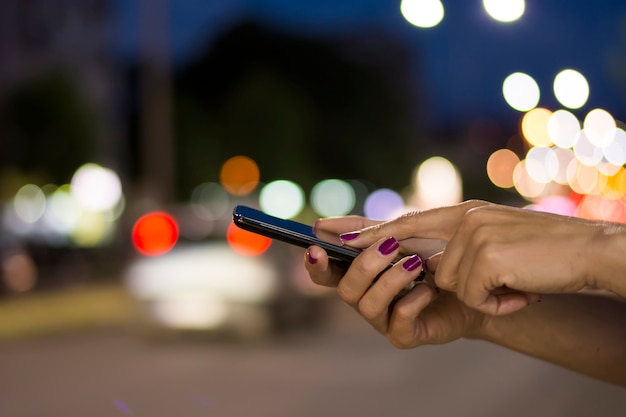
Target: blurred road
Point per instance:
(344, 369)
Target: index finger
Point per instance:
(342, 224)
(438, 223)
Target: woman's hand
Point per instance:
(422, 315)
(499, 258)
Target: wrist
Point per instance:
(607, 260)
(478, 326)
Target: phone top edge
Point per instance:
(298, 234)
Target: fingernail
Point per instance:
(344, 237)
(412, 263)
(310, 258)
(388, 246)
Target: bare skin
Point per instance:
(496, 263)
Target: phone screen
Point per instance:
(290, 231)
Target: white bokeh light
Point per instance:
(563, 128)
(29, 203)
(505, 10)
(586, 152)
(282, 198)
(600, 127)
(521, 91)
(333, 197)
(422, 13)
(542, 164)
(615, 152)
(571, 88)
(96, 188)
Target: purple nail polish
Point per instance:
(310, 258)
(344, 237)
(388, 246)
(412, 263)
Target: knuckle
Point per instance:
(368, 310)
(445, 282)
(487, 253)
(400, 342)
(474, 217)
(404, 311)
(363, 265)
(347, 294)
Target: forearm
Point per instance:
(584, 333)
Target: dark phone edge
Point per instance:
(279, 233)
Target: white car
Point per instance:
(209, 287)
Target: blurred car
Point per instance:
(207, 287)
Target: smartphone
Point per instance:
(292, 232)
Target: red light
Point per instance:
(155, 233)
(246, 243)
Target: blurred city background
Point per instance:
(130, 129)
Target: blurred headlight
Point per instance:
(212, 270)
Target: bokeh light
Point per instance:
(586, 152)
(505, 10)
(615, 187)
(333, 197)
(155, 233)
(209, 201)
(245, 242)
(582, 179)
(240, 175)
(535, 127)
(383, 204)
(607, 169)
(91, 230)
(29, 203)
(64, 211)
(19, 272)
(422, 13)
(571, 89)
(585, 159)
(524, 184)
(282, 198)
(556, 204)
(595, 207)
(500, 166)
(615, 152)
(438, 183)
(542, 164)
(599, 127)
(563, 128)
(565, 157)
(521, 91)
(96, 188)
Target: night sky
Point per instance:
(462, 61)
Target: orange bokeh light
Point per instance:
(246, 243)
(240, 175)
(155, 233)
(500, 167)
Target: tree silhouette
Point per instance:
(47, 128)
(304, 109)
